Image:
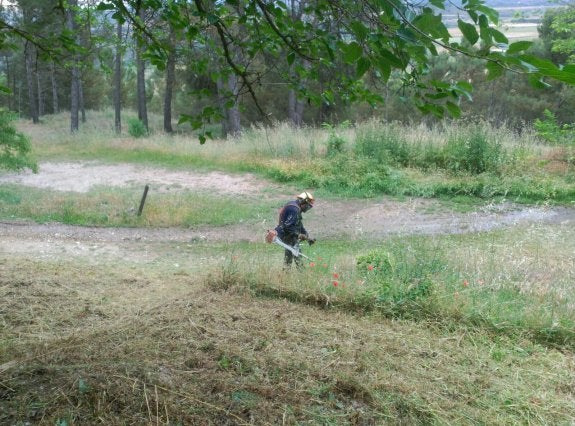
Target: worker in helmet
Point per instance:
(290, 228)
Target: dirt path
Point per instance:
(363, 219)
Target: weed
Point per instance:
(136, 128)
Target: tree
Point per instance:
(346, 45)
(14, 146)
(558, 32)
(141, 67)
(75, 71)
(118, 80)
(170, 81)
(374, 37)
(564, 23)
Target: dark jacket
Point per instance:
(290, 222)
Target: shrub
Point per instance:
(473, 153)
(401, 276)
(14, 146)
(335, 142)
(136, 128)
(549, 130)
(335, 145)
(386, 145)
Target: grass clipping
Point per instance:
(114, 346)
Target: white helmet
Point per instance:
(306, 197)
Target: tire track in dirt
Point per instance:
(353, 219)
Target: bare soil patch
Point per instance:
(354, 219)
(84, 176)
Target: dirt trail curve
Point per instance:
(352, 219)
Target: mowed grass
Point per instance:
(157, 344)
(465, 329)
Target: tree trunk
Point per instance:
(75, 83)
(295, 105)
(222, 103)
(40, 97)
(55, 105)
(118, 81)
(81, 99)
(30, 78)
(170, 80)
(295, 108)
(74, 100)
(234, 118)
(141, 77)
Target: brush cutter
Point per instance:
(272, 237)
(295, 249)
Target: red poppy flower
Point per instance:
(335, 275)
(370, 267)
(335, 283)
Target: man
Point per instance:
(290, 228)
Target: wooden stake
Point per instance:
(143, 200)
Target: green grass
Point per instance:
(515, 282)
(245, 343)
(119, 207)
(371, 159)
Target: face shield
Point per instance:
(306, 206)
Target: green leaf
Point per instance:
(494, 70)
(537, 82)
(384, 68)
(363, 64)
(492, 14)
(328, 97)
(351, 52)
(440, 4)
(391, 59)
(549, 69)
(453, 109)
(105, 6)
(432, 24)
(464, 88)
(437, 96)
(468, 31)
(519, 46)
(498, 36)
(361, 31)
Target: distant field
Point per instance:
(513, 31)
(516, 22)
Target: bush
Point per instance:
(335, 145)
(14, 146)
(335, 142)
(386, 146)
(473, 153)
(549, 130)
(401, 276)
(136, 128)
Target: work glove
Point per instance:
(302, 237)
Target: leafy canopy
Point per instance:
(344, 39)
